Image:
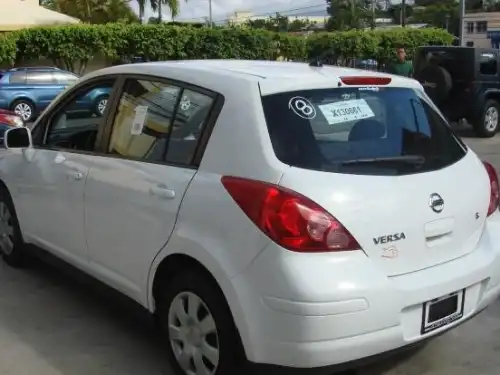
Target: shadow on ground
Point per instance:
(55, 320)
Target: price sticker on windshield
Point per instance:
(346, 111)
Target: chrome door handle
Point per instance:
(77, 176)
(162, 192)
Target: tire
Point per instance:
(437, 83)
(12, 247)
(24, 109)
(486, 125)
(223, 353)
(100, 105)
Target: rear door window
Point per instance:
(39, 78)
(488, 63)
(361, 130)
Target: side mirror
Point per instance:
(17, 138)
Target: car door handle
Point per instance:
(75, 175)
(162, 192)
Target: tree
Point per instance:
(351, 14)
(94, 11)
(280, 23)
(173, 6)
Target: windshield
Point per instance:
(360, 130)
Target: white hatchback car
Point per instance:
(273, 212)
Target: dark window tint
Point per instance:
(488, 63)
(39, 78)
(17, 78)
(383, 131)
(158, 122)
(75, 125)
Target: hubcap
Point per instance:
(193, 335)
(6, 230)
(491, 119)
(23, 110)
(101, 106)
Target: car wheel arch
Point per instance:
(166, 267)
(23, 99)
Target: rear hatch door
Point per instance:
(387, 166)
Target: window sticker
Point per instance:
(141, 113)
(302, 107)
(350, 110)
(185, 103)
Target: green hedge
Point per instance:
(72, 46)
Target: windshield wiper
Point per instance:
(415, 160)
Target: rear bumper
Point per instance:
(318, 310)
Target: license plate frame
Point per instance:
(442, 311)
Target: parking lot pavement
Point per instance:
(55, 322)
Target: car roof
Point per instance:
(271, 76)
(25, 68)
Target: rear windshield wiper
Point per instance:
(416, 160)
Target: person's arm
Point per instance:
(410, 72)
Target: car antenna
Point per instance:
(320, 60)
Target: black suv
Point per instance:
(464, 82)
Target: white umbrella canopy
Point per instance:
(20, 14)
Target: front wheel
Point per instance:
(199, 328)
(487, 124)
(12, 247)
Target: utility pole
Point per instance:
(462, 23)
(210, 13)
(403, 13)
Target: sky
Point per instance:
(198, 9)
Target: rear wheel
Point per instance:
(24, 109)
(486, 125)
(12, 247)
(100, 105)
(199, 327)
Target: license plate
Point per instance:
(442, 311)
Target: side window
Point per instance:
(145, 128)
(75, 125)
(18, 78)
(64, 78)
(488, 64)
(39, 78)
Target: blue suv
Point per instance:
(28, 91)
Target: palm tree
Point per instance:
(173, 5)
(142, 8)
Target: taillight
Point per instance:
(288, 218)
(365, 81)
(494, 188)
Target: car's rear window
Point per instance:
(360, 130)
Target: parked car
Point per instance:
(8, 120)
(29, 90)
(274, 213)
(464, 82)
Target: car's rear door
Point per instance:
(134, 192)
(44, 87)
(386, 165)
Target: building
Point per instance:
(241, 17)
(482, 29)
(19, 14)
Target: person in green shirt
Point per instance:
(401, 67)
